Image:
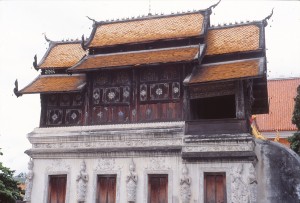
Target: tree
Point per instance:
(9, 191)
(295, 139)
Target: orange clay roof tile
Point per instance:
(55, 83)
(137, 58)
(281, 103)
(233, 39)
(228, 70)
(149, 29)
(62, 55)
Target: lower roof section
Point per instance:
(55, 84)
(137, 58)
(229, 70)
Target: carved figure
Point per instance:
(239, 187)
(131, 183)
(82, 180)
(28, 182)
(185, 186)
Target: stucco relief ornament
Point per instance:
(28, 182)
(239, 188)
(82, 180)
(131, 183)
(185, 185)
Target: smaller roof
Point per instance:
(229, 70)
(55, 83)
(232, 39)
(137, 58)
(281, 103)
(150, 28)
(62, 55)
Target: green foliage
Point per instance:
(296, 113)
(9, 191)
(295, 142)
(295, 139)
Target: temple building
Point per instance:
(155, 109)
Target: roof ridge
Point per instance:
(145, 17)
(236, 23)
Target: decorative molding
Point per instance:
(111, 144)
(82, 180)
(107, 166)
(239, 188)
(218, 148)
(158, 163)
(57, 167)
(28, 182)
(148, 172)
(131, 183)
(185, 186)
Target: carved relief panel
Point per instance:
(111, 97)
(63, 109)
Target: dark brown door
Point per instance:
(106, 189)
(158, 189)
(57, 189)
(215, 187)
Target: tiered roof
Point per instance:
(148, 29)
(55, 83)
(222, 53)
(61, 55)
(137, 58)
(250, 68)
(233, 39)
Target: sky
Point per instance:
(22, 24)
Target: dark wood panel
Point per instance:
(216, 126)
(157, 188)
(57, 189)
(106, 189)
(215, 188)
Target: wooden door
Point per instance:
(106, 189)
(158, 189)
(57, 189)
(215, 187)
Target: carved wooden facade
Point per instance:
(184, 75)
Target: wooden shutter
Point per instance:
(215, 187)
(57, 189)
(158, 189)
(106, 189)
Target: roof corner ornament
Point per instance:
(265, 21)
(82, 43)
(16, 91)
(46, 38)
(94, 21)
(35, 63)
(213, 6)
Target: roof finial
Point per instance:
(46, 38)
(149, 13)
(82, 43)
(35, 63)
(214, 5)
(267, 18)
(94, 21)
(16, 91)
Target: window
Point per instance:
(213, 107)
(57, 188)
(106, 189)
(214, 188)
(157, 188)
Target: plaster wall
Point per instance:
(171, 165)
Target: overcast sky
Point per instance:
(23, 23)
